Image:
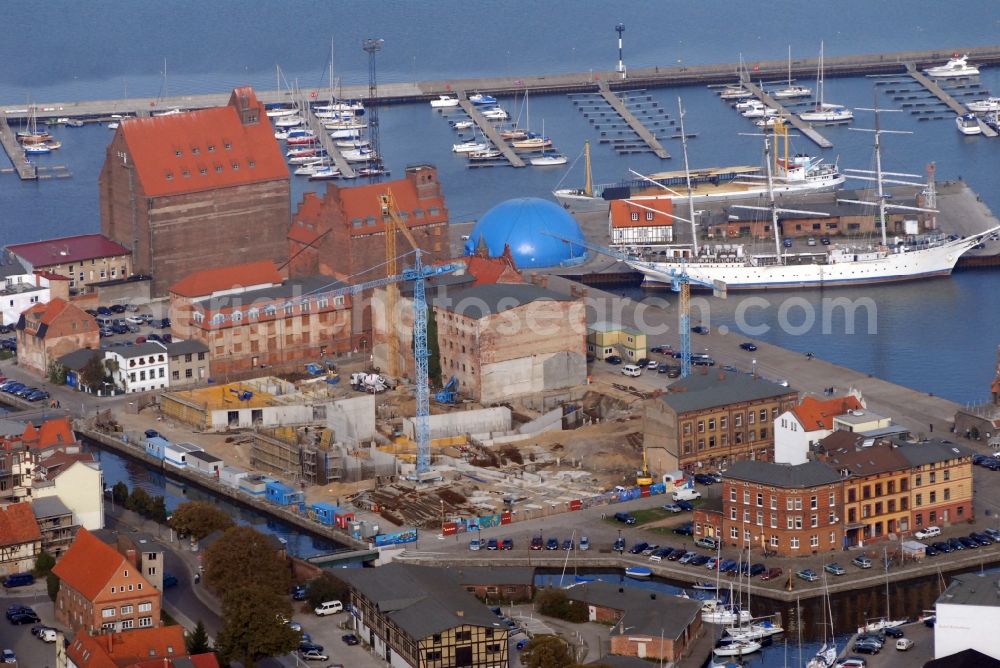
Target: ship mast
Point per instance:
(687, 175)
(879, 176)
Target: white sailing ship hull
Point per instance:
(725, 616)
(868, 268)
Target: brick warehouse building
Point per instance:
(342, 233)
(196, 189)
(46, 332)
(711, 419)
(249, 317)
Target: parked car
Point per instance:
(117, 308)
(712, 563)
(584, 543)
(8, 656)
(834, 569)
(638, 548)
(619, 545)
(893, 632)
(675, 555)
(867, 647)
(650, 549)
(613, 359)
(299, 593)
(567, 544)
(671, 507)
(825, 240)
(652, 365)
(992, 533)
(807, 574)
(660, 554)
(942, 547)
(861, 561)
(927, 532)
(685, 505)
(313, 655)
(706, 542)
(700, 329)
(18, 580)
(699, 560)
(309, 646)
(704, 479)
(537, 543)
(956, 544)
(28, 617)
(786, 242)
(687, 557)
(968, 542)
(757, 569)
(625, 517)
(474, 545)
(771, 574)
(811, 241)
(492, 544)
(748, 346)
(508, 544)
(103, 310)
(135, 320)
(329, 608)
(552, 544)
(350, 639)
(686, 529)
(904, 644)
(931, 551)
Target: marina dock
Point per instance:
(793, 119)
(489, 131)
(25, 169)
(633, 122)
(325, 140)
(942, 95)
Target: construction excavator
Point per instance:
(644, 478)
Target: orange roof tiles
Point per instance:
(88, 565)
(207, 281)
(18, 524)
(204, 149)
(136, 647)
(492, 270)
(814, 414)
(52, 432)
(622, 210)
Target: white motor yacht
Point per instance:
(989, 104)
(956, 67)
(444, 101)
(472, 146)
(968, 124)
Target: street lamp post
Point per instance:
(620, 28)
(621, 545)
(754, 368)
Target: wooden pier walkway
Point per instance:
(325, 140)
(942, 95)
(633, 122)
(25, 169)
(489, 131)
(792, 119)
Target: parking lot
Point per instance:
(31, 652)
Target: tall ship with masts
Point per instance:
(875, 262)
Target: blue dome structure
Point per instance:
(534, 229)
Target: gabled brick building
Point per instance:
(83, 259)
(100, 590)
(46, 332)
(342, 233)
(161, 647)
(20, 539)
(196, 189)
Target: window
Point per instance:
(738, 420)
(760, 518)
(701, 426)
(813, 503)
(933, 477)
(760, 499)
(798, 503)
(947, 494)
(774, 502)
(919, 500)
(918, 480)
(126, 609)
(814, 521)
(814, 540)
(145, 622)
(711, 424)
(463, 636)
(251, 164)
(108, 612)
(774, 540)
(732, 494)
(237, 316)
(932, 497)
(833, 499)
(763, 415)
(946, 474)
(789, 523)
(687, 432)
(798, 521)
(774, 520)
(188, 373)
(732, 513)
(323, 302)
(649, 215)
(734, 533)
(128, 623)
(722, 422)
(746, 516)
(789, 504)
(746, 496)
(288, 309)
(794, 543)
(750, 417)
(635, 216)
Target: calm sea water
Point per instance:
(937, 336)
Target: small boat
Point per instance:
(760, 112)
(736, 647)
(74, 123)
(471, 146)
(968, 124)
(168, 112)
(734, 93)
(359, 155)
(278, 112)
(113, 125)
(705, 586)
(495, 114)
(989, 104)
(307, 159)
(301, 141)
(824, 112)
(325, 174)
(297, 152)
(488, 154)
(345, 125)
(548, 160)
(288, 121)
(354, 106)
(958, 66)
(345, 134)
(53, 145)
(352, 143)
(713, 612)
(638, 572)
(445, 101)
(309, 170)
(880, 625)
(373, 171)
(462, 125)
(334, 115)
(532, 143)
(791, 90)
(514, 133)
(754, 631)
(481, 99)
(36, 149)
(768, 121)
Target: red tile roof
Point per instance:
(136, 647)
(204, 149)
(492, 270)
(814, 414)
(58, 462)
(18, 525)
(57, 431)
(622, 210)
(88, 565)
(63, 250)
(205, 282)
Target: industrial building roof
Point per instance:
(482, 300)
(859, 417)
(186, 347)
(499, 575)
(420, 600)
(815, 414)
(64, 250)
(880, 457)
(208, 281)
(931, 452)
(972, 589)
(140, 350)
(204, 149)
(76, 360)
(708, 390)
(18, 525)
(49, 506)
(293, 288)
(967, 658)
(647, 612)
(785, 476)
(204, 456)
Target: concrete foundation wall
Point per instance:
(548, 422)
(481, 421)
(352, 420)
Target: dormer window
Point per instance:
(195, 150)
(170, 176)
(228, 146)
(235, 165)
(186, 174)
(203, 171)
(211, 148)
(218, 169)
(177, 153)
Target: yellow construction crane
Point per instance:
(644, 478)
(392, 224)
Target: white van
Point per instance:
(929, 532)
(686, 494)
(47, 635)
(329, 608)
(631, 370)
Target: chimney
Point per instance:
(132, 557)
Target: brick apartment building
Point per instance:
(196, 189)
(162, 647)
(940, 482)
(46, 332)
(84, 259)
(100, 590)
(712, 419)
(790, 510)
(249, 317)
(502, 341)
(342, 233)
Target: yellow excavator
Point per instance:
(644, 478)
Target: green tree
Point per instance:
(326, 587)
(52, 585)
(43, 564)
(197, 640)
(139, 501)
(253, 625)
(158, 509)
(119, 493)
(555, 603)
(92, 374)
(199, 518)
(546, 652)
(245, 557)
(56, 373)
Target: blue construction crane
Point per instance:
(680, 281)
